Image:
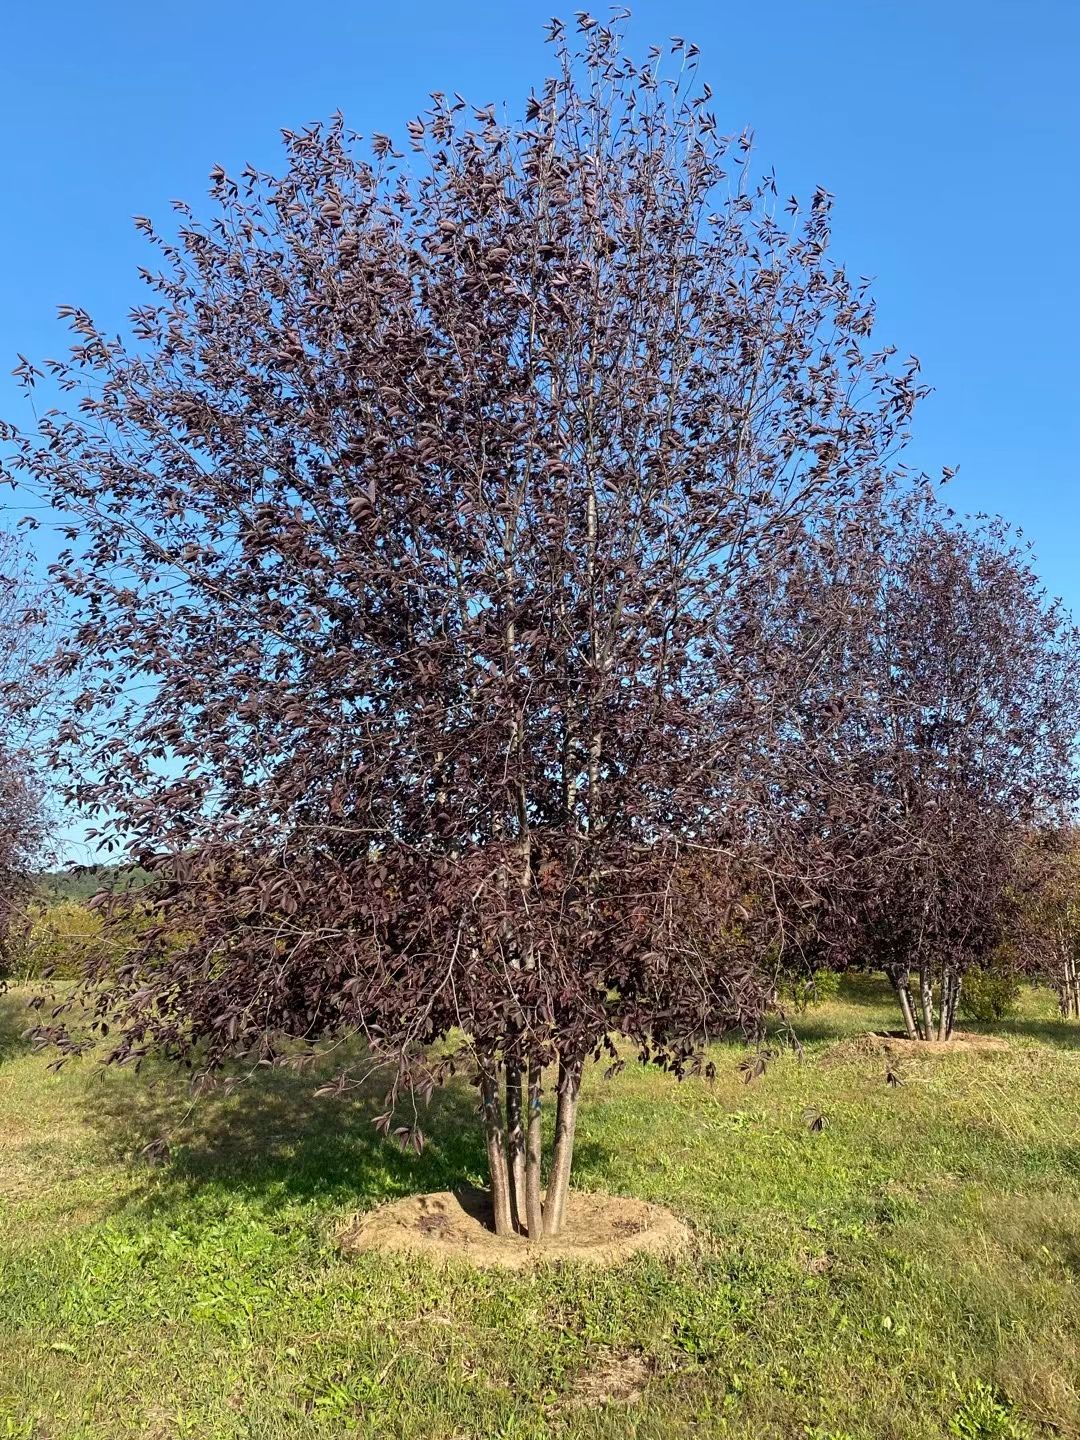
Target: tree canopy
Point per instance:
(22, 813)
(937, 737)
(431, 530)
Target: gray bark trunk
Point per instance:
(534, 1215)
(926, 988)
(562, 1155)
(515, 1132)
(496, 1153)
(1070, 993)
(903, 991)
(954, 1000)
(945, 1001)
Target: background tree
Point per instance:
(1043, 938)
(22, 815)
(936, 728)
(418, 524)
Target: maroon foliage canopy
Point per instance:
(420, 524)
(936, 734)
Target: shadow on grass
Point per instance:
(874, 993)
(273, 1140)
(1061, 1032)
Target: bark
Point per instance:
(562, 1156)
(903, 991)
(1072, 988)
(1067, 989)
(945, 1000)
(534, 1215)
(954, 1000)
(496, 1153)
(515, 1133)
(926, 987)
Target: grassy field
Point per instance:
(912, 1269)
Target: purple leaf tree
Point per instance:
(421, 521)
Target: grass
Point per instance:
(912, 1270)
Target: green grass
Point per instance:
(913, 1270)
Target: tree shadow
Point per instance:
(1061, 1032)
(273, 1140)
(873, 993)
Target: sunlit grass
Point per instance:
(909, 1271)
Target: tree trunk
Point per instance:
(534, 1215)
(926, 987)
(562, 1155)
(954, 1000)
(945, 1000)
(900, 984)
(1070, 990)
(1065, 989)
(496, 1152)
(515, 1132)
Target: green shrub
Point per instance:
(806, 990)
(989, 994)
(60, 937)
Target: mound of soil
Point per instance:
(896, 1042)
(599, 1230)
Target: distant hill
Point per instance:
(82, 882)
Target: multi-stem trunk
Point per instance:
(1069, 988)
(515, 1151)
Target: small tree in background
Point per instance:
(1043, 939)
(420, 525)
(22, 816)
(937, 727)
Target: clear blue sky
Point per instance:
(949, 131)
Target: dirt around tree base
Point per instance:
(599, 1230)
(897, 1042)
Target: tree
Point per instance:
(22, 818)
(937, 728)
(417, 526)
(1043, 937)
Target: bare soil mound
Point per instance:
(898, 1043)
(895, 1044)
(599, 1229)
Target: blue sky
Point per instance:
(949, 133)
